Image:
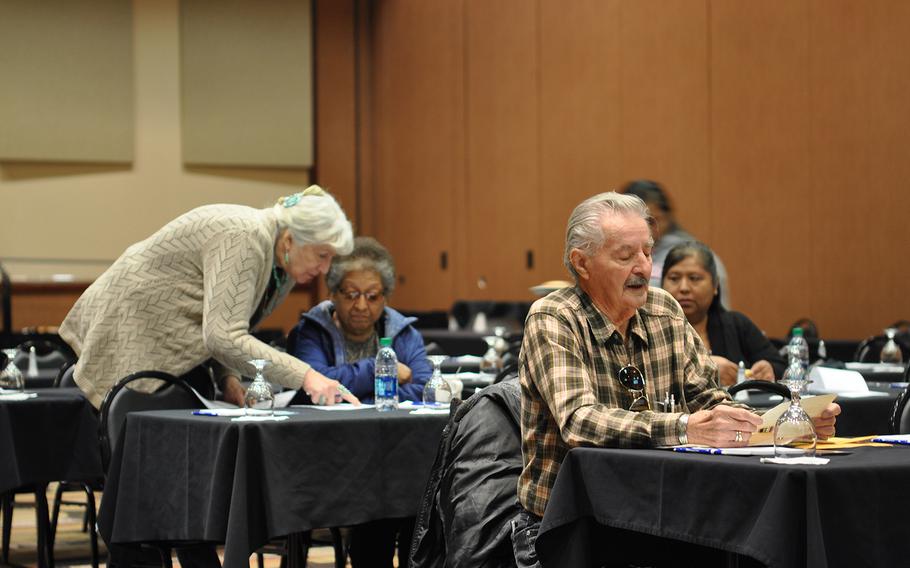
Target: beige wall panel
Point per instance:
(760, 159)
(664, 104)
(860, 79)
(246, 81)
(417, 145)
(503, 149)
(66, 70)
(335, 102)
(580, 122)
(94, 212)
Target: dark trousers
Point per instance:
(524, 539)
(373, 544)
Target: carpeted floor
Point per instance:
(72, 545)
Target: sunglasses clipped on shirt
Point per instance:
(634, 380)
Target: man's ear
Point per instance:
(579, 262)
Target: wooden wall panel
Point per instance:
(780, 129)
(663, 79)
(503, 153)
(335, 96)
(580, 126)
(860, 78)
(417, 144)
(760, 157)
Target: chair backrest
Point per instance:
(767, 386)
(64, 378)
(120, 401)
(479, 461)
(900, 413)
(869, 349)
(48, 355)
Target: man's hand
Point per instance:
(762, 371)
(726, 370)
(232, 390)
(722, 427)
(824, 422)
(404, 374)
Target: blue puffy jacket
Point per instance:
(318, 341)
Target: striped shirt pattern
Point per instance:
(570, 393)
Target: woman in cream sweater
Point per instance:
(191, 292)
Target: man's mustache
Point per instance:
(636, 281)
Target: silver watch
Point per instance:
(682, 425)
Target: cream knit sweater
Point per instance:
(178, 298)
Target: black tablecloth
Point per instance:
(851, 512)
(52, 437)
(178, 476)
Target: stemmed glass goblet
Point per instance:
(437, 389)
(891, 351)
(11, 377)
(794, 433)
(259, 394)
(491, 362)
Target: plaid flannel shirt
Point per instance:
(570, 393)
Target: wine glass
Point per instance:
(794, 433)
(891, 351)
(437, 390)
(491, 362)
(11, 377)
(259, 394)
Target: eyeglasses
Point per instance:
(352, 296)
(633, 379)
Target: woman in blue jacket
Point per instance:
(340, 337)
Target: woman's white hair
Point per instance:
(314, 218)
(585, 228)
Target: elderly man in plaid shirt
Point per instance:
(598, 356)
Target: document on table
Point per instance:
(812, 405)
(343, 406)
(282, 400)
(747, 451)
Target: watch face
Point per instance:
(631, 378)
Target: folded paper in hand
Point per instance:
(812, 405)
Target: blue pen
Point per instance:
(205, 412)
(713, 451)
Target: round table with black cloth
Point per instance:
(850, 512)
(177, 476)
(52, 437)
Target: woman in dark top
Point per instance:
(690, 275)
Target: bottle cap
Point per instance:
(385, 342)
(797, 332)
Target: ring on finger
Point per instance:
(342, 389)
(738, 437)
(322, 400)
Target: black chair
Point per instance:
(432, 319)
(869, 349)
(766, 386)
(120, 401)
(478, 462)
(48, 354)
(900, 414)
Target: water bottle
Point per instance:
(799, 348)
(386, 383)
(741, 378)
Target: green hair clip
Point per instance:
(291, 200)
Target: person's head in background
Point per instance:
(359, 284)
(312, 228)
(690, 276)
(810, 330)
(655, 197)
